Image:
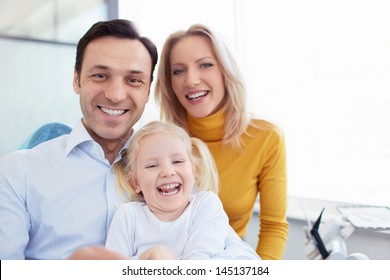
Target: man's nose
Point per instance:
(116, 91)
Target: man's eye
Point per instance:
(134, 81)
(99, 76)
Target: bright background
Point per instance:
(319, 69)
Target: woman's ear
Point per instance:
(132, 180)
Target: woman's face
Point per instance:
(196, 76)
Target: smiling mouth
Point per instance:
(169, 189)
(112, 112)
(196, 96)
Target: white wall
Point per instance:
(36, 88)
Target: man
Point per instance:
(61, 195)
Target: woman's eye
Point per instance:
(177, 71)
(206, 65)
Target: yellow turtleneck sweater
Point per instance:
(259, 168)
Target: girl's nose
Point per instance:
(167, 171)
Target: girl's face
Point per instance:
(196, 76)
(164, 175)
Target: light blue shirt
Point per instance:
(61, 195)
(56, 197)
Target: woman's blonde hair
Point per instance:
(237, 115)
(206, 175)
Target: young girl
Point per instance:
(168, 219)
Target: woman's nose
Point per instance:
(192, 78)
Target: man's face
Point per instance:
(114, 86)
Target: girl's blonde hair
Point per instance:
(206, 175)
(237, 115)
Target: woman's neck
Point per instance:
(210, 128)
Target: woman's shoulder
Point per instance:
(264, 127)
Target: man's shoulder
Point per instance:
(48, 149)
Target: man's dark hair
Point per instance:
(119, 28)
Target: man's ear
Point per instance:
(132, 180)
(147, 98)
(76, 82)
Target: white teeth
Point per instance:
(175, 191)
(169, 186)
(197, 95)
(169, 189)
(112, 112)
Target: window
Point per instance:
(37, 53)
(51, 20)
(319, 69)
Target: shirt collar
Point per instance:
(78, 135)
(80, 138)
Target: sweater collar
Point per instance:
(210, 128)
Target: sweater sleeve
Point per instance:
(273, 200)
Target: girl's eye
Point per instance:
(178, 161)
(151, 166)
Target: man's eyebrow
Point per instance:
(139, 72)
(104, 67)
(99, 67)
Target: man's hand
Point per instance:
(95, 253)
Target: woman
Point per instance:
(200, 88)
